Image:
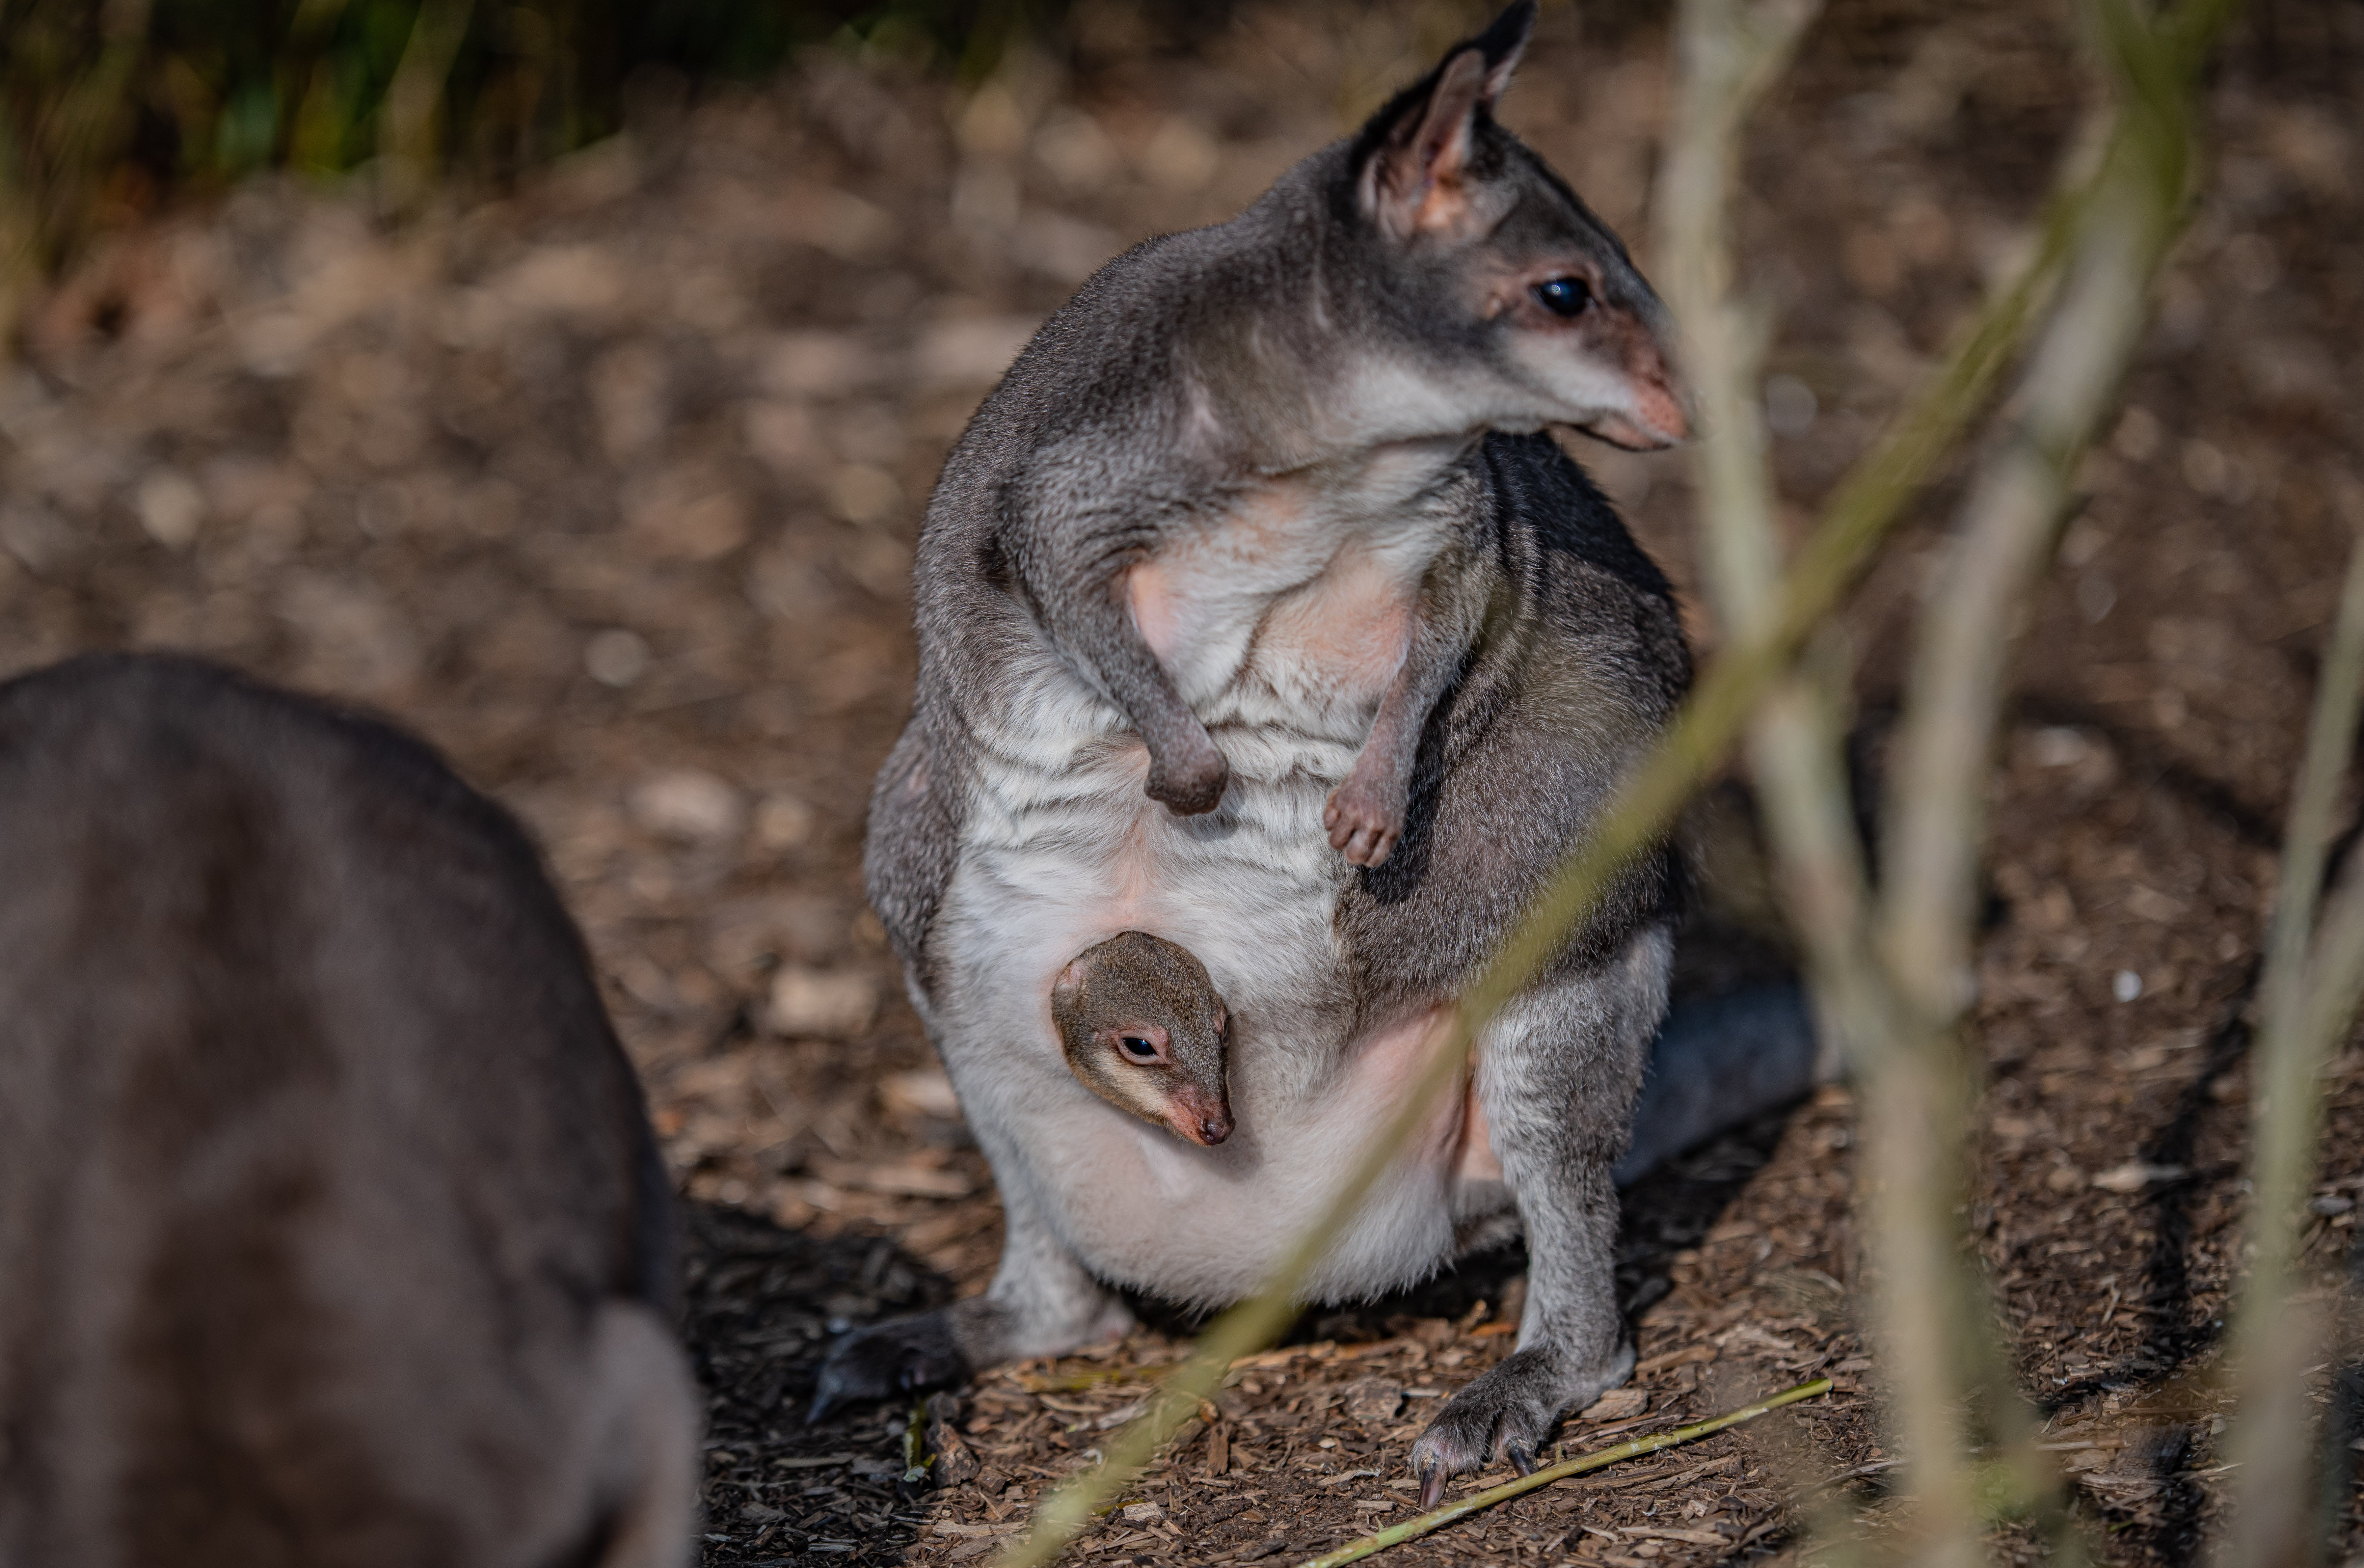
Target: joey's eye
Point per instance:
(1563, 295)
(1136, 1048)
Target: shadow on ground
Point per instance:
(761, 1305)
(764, 1303)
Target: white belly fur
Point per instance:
(1061, 849)
(1243, 890)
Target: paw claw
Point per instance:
(1432, 1487)
(1508, 1412)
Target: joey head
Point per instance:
(1258, 607)
(332, 1227)
(1144, 1030)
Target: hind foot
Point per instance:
(886, 1360)
(1507, 1414)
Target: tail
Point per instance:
(644, 1444)
(1720, 1061)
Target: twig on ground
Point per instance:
(915, 1446)
(1412, 1528)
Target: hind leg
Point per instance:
(1558, 1074)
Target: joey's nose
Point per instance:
(1202, 1120)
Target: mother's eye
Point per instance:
(1563, 295)
(1137, 1048)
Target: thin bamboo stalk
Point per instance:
(1918, 1086)
(407, 117)
(1437, 1518)
(1896, 1006)
(2311, 998)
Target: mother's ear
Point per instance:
(1504, 40)
(1414, 153)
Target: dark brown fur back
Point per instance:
(319, 1160)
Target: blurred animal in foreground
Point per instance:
(1258, 612)
(332, 1230)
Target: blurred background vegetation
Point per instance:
(108, 105)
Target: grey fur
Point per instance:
(332, 1228)
(1354, 373)
(1090, 454)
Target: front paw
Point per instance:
(1509, 1414)
(890, 1359)
(1364, 820)
(1190, 785)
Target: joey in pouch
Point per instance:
(1258, 609)
(332, 1229)
(1144, 1030)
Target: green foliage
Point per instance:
(108, 105)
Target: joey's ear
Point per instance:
(1415, 153)
(1070, 981)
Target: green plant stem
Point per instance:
(1918, 1085)
(2335, 981)
(1437, 1518)
(915, 1446)
(1896, 1006)
(2331, 741)
(1728, 53)
(406, 119)
(2311, 990)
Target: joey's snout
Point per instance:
(1205, 1119)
